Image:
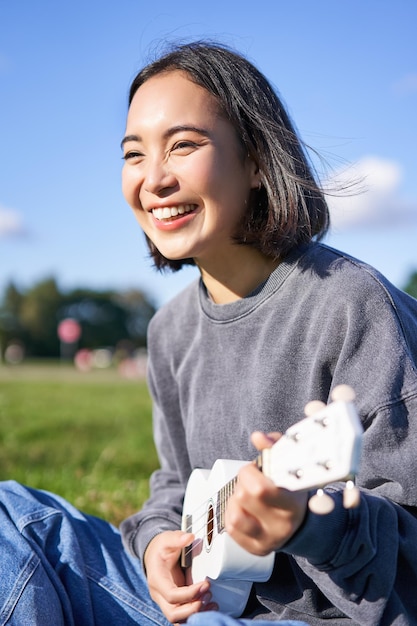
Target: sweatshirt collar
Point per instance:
(232, 311)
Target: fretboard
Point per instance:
(223, 496)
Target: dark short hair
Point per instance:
(289, 209)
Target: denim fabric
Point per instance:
(210, 618)
(59, 567)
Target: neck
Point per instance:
(231, 280)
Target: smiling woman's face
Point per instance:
(185, 176)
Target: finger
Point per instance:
(265, 524)
(188, 594)
(256, 493)
(179, 606)
(264, 440)
(179, 615)
(179, 540)
(246, 506)
(253, 484)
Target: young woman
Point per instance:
(216, 176)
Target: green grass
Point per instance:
(87, 437)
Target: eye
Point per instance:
(184, 146)
(133, 155)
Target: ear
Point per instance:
(254, 173)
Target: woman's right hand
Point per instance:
(166, 579)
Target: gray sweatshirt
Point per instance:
(219, 372)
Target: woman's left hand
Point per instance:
(260, 516)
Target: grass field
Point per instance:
(85, 436)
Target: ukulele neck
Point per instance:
(223, 496)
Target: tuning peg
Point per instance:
(313, 407)
(351, 495)
(321, 503)
(343, 393)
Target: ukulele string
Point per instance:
(215, 500)
(211, 536)
(200, 522)
(202, 518)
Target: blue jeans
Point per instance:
(61, 567)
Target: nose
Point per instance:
(158, 177)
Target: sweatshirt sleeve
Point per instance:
(161, 512)
(163, 509)
(363, 560)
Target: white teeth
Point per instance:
(166, 213)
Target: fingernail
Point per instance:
(204, 587)
(206, 598)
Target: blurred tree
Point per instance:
(104, 319)
(11, 329)
(139, 311)
(38, 316)
(107, 318)
(411, 286)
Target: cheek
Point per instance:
(131, 194)
(202, 175)
(141, 218)
(130, 187)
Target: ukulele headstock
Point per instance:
(322, 448)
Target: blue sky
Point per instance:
(347, 71)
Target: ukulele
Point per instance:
(323, 447)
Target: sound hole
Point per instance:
(210, 524)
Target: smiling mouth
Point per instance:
(167, 213)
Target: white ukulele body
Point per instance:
(214, 554)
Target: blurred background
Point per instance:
(69, 244)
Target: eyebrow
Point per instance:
(169, 133)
